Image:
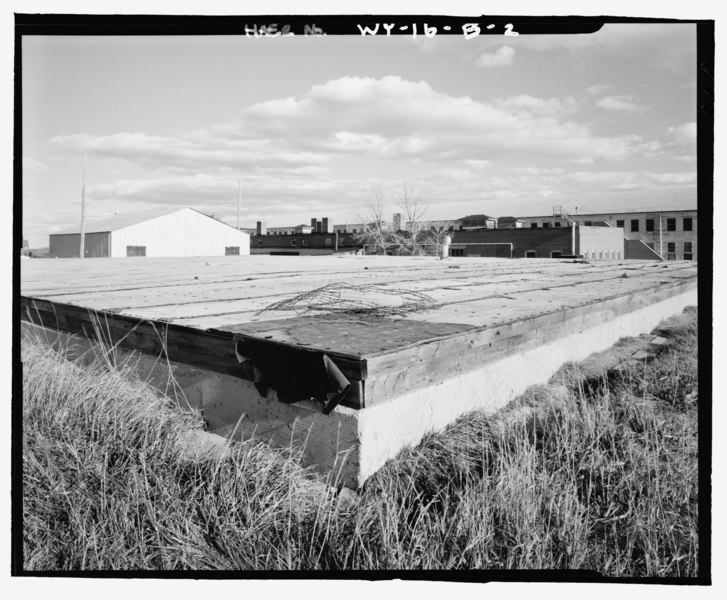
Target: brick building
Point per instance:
(594, 243)
(672, 234)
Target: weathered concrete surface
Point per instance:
(354, 444)
(386, 428)
(492, 328)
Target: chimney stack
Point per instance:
(313, 222)
(318, 226)
(397, 221)
(324, 225)
(262, 228)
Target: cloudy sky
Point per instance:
(311, 126)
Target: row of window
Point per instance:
(650, 224)
(141, 250)
(672, 246)
(546, 225)
(671, 249)
(304, 242)
(292, 232)
(593, 254)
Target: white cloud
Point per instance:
(502, 58)
(686, 132)
(660, 45)
(621, 104)
(300, 152)
(196, 150)
(544, 106)
(474, 163)
(598, 89)
(381, 118)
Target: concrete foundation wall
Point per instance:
(386, 428)
(354, 444)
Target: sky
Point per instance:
(316, 127)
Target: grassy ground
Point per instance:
(584, 473)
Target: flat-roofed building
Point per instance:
(671, 234)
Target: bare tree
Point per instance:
(375, 233)
(414, 236)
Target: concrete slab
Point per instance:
(478, 335)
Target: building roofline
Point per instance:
(143, 220)
(613, 212)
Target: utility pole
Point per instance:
(239, 194)
(83, 209)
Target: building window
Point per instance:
(688, 256)
(619, 222)
(671, 224)
(232, 250)
(634, 224)
(588, 223)
(600, 255)
(531, 254)
(533, 225)
(555, 254)
(259, 242)
(292, 242)
(687, 246)
(671, 247)
(687, 223)
(671, 256)
(557, 223)
(649, 224)
(304, 242)
(328, 241)
(456, 251)
(135, 250)
(354, 231)
(546, 225)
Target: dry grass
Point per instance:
(570, 475)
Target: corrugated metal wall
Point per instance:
(67, 245)
(182, 233)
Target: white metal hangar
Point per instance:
(185, 232)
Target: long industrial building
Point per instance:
(672, 234)
(593, 243)
(185, 232)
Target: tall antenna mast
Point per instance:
(83, 209)
(239, 194)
